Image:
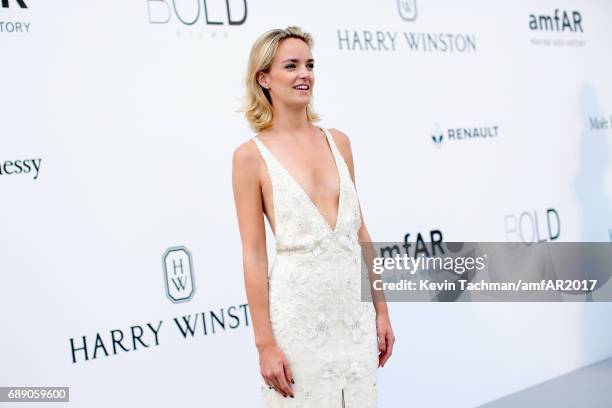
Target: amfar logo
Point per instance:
(567, 23)
(20, 3)
(407, 9)
(556, 22)
(189, 12)
(417, 246)
(438, 135)
(435, 247)
(178, 274)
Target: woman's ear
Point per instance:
(262, 80)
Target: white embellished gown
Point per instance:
(318, 319)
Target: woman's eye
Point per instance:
(309, 65)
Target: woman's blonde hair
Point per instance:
(258, 103)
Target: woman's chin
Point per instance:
(301, 101)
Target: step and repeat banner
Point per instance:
(121, 263)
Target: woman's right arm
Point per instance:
(249, 209)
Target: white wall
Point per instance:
(134, 124)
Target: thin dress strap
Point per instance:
(341, 163)
(268, 157)
(260, 146)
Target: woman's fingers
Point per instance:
(382, 343)
(382, 347)
(288, 373)
(276, 371)
(284, 386)
(270, 379)
(390, 340)
(276, 386)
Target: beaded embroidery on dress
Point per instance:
(318, 319)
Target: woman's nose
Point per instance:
(305, 72)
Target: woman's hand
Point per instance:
(275, 369)
(386, 338)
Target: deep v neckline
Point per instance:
(303, 191)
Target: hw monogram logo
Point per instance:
(437, 135)
(407, 9)
(178, 274)
(5, 4)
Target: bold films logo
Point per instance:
(9, 26)
(179, 285)
(533, 226)
(561, 28)
(198, 18)
(441, 41)
(441, 136)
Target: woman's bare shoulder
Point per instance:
(339, 137)
(343, 142)
(246, 156)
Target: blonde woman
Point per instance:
(319, 345)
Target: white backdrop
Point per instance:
(131, 116)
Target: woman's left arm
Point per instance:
(386, 338)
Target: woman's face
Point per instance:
(292, 68)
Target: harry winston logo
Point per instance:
(407, 9)
(437, 135)
(178, 274)
(5, 3)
